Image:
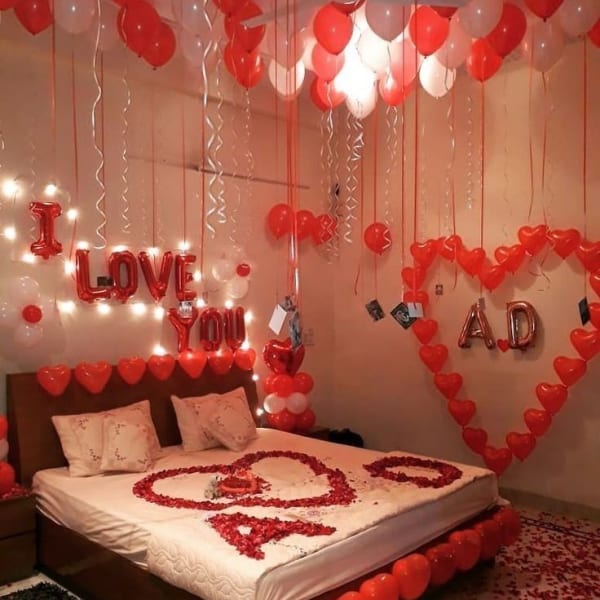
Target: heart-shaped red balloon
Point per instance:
(245, 359)
(413, 277)
(497, 459)
(551, 397)
(280, 357)
(424, 253)
(564, 241)
(54, 379)
(467, 545)
(520, 444)
(93, 376)
(448, 383)
(132, 369)
(471, 260)
(533, 238)
(221, 362)
(161, 366)
(589, 255)
(419, 297)
(434, 356)
(475, 438)
(449, 246)
(503, 345)
(443, 564)
(491, 276)
(570, 370)
(595, 314)
(510, 257)
(425, 329)
(412, 573)
(462, 411)
(538, 421)
(595, 281)
(489, 530)
(587, 343)
(510, 525)
(193, 362)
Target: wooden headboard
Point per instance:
(33, 442)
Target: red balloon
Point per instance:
(284, 420)
(509, 32)
(119, 264)
(7, 477)
(348, 7)
(85, 291)
(243, 270)
(434, 357)
(279, 220)
(235, 327)
(183, 277)
(269, 383)
(221, 362)
(3, 427)
(283, 385)
(483, 61)
(161, 48)
(6, 4)
(413, 573)
(444, 11)
(392, 92)
(303, 383)
(467, 548)
(305, 224)
(352, 596)
(306, 420)
(326, 64)
(182, 324)
(332, 28)
(378, 238)
(594, 34)
(428, 30)
(34, 15)
(46, 245)
(381, 587)
(543, 8)
(325, 229)
(315, 97)
(443, 563)
(211, 330)
(491, 538)
(570, 370)
(510, 525)
(328, 94)
(32, 314)
(229, 6)
(156, 285)
(246, 67)
(248, 37)
(138, 24)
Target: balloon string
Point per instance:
(416, 166)
(482, 212)
(531, 178)
(53, 102)
(75, 135)
(403, 190)
(153, 168)
(585, 147)
(183, 170)
(452, 178)
(544, 146)
(375, 145)
(361, 217)
(124, 156)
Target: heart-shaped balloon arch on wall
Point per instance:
(569, 370)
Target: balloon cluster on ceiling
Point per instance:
(361, 50)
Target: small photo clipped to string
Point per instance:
(584, 311)
(375, 311)
(402, 316)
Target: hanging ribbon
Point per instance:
(234, 201)
(126, 229)
(184, 170)
(585, 147)
(354, 147)
(469, 159)
(531, 177)
(391, 145)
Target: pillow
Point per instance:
(82, 437)
(127, 443)
(230, 421)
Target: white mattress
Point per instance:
(130, 525)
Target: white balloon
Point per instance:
(192, 47)
(223, 270)
(3, 449)
(9, 314)
(237, 287)
(387, 18)
(374, 51)
(404, 61)
(359, 18)
(75, 16)
(109, 36)
(479, 17)
(309, 42)
(23, 290)
(273, 404)
(190, 14)
(543, 44)
(286, 81)
(456, 47)
(286, 50)
(364, 105)
(28, 335)
(437, 80)
(577, 17)
(296, 403)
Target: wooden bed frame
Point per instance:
(82, 566)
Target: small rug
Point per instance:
(556, 558)
(41, 591)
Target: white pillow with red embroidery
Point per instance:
(127, 444)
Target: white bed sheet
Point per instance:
(128, 526)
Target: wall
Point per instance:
(28, 155)
(381, 387)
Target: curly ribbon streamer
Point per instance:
(99, 147)
(391, 145)
(469, 161)
(235, 199)
(531, 176)
(505, 186)
(355, 143)
(126, 229)
(184, 171)
(248, 216)
(218, 145)
(584, 122)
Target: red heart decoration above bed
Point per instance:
(569, 370)
(280, 357)
(193, 362)
(244, 359)
(161, 366)
(221, 361)
(54, 379)
(132, 369)
(93, 376)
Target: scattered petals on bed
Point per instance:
(261, 531)
(382, 468)
(340, 492)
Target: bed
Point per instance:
(103, 549)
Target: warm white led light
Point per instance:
(28, 258)
(158, 350)
(81, 245)
(72, 214)
(200, 303)
(245, 345)
(69, 267)
(50, 190)
(10, 188)
(184, 246)
(228, 303)
(260, 412)
(159, 313)
(255, 377)
(119, 248)
(153, 251)
(10, 233)
(103, 309)
(138, 308)
(248, 317)
(66, 306)
(197, 276)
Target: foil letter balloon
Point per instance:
(182, 323)
(235, 327)
(46, 245)
(476, 326)
(156, 285)
(183, 277)
(515, 313)
(211, 329)
(85, 291)
(117, 263)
